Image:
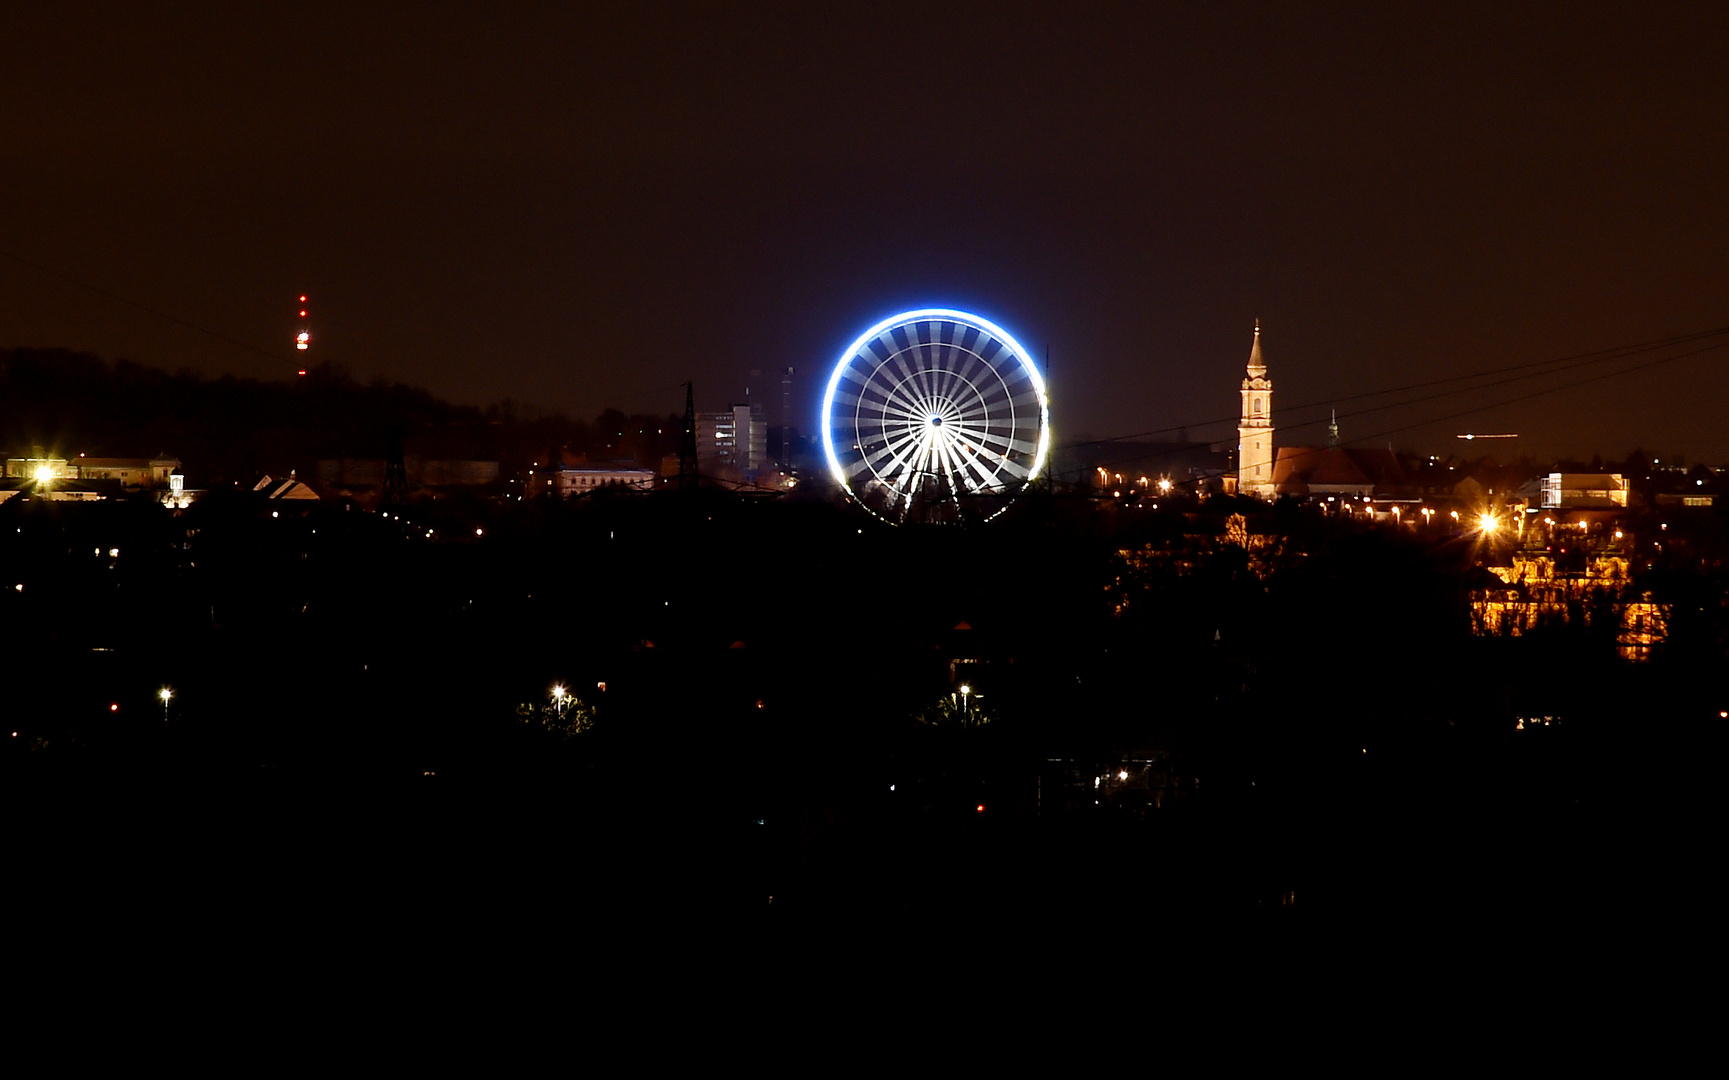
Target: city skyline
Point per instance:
(583, 208)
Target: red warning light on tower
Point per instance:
(303, 339)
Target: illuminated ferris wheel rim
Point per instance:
(860, 347)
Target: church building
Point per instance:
(1255, 429)
(1302, 471)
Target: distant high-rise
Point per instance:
(1255, 429)
(732, 442)
(786, 447)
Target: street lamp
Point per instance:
(166, 695)
(965, 691)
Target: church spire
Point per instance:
(1257, 366)
(1333, 430)
(1255, 430)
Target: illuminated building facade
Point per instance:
(1593, 587)
(131, 472)
(1600, 491)
(732, 443)
(579, 479)
(1255, 428)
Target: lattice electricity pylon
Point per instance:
(687, 474)
(395, 493)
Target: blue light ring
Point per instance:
(966, 318)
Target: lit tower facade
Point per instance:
(1255, 429)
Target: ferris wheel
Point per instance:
(929, 407)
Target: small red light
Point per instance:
(114, 707)
(303, 371)
(303, 313)
(303, 299)
(981, 808)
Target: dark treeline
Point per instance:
(356, 703)
(231, 430)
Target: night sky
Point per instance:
(577, 206)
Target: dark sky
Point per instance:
(583, 205)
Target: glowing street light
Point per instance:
(166, 695)
(1488, 522)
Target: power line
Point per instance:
(1491, 405)
(1554, 364)
(97, 289)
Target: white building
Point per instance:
(131, 472)
(1584, 491)
(1255, 429)
(578, 479)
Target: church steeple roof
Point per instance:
(1257, 366)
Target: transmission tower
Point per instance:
(395, 494)
(687, 475)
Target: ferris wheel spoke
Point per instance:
(899, 450)
(992, 465)
(910, 403)
(960, 479)
(861, 373)
(957, 356)
(928, 365)
(997, 439)
(963, 375)
(917, 385)
(944, 381)
(896, 354)
(889, 405)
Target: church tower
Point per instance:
(1255, 429)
